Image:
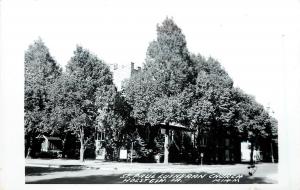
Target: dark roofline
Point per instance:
(49, 138)
(176, 126)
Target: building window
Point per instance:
(52, 146)
(203, 140)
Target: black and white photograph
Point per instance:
(150, 93)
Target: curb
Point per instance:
(53, 166)
(112, 168)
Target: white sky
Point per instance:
(247, 37)
(257, 41)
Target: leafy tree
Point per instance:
(176, 86)
(254, 122)
(113, 116)
(41, 71)
(60, 96)
(212, 104)
(113, 110)
(155, 93)
(76, 95)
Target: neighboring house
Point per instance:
(50, 144)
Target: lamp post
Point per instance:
(201, 155)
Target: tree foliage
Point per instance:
(155, 92)
(173, 86)
(212, 102)
(177, 86)
(41, 71)
(76, 95)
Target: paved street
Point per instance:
(96, 172)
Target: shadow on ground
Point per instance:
(120, 179)
(39, 171)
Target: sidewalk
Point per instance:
(121, 166)
(146, 167)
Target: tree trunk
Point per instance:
(166, 147)
(64, 147)
(81, 152)
(272, 154)
(251, 153)
(82, 148)
(29, 150)
(28, 156)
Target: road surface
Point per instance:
(114, 173)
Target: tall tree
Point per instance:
(61, 105)
(176, 86)
(41, 70)
(211, 101)
(77, 94)
(155, 94)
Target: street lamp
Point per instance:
(201, 156)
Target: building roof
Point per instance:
(48, 138)
(53, 138)
(176, 126)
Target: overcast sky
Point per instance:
(249, 38)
